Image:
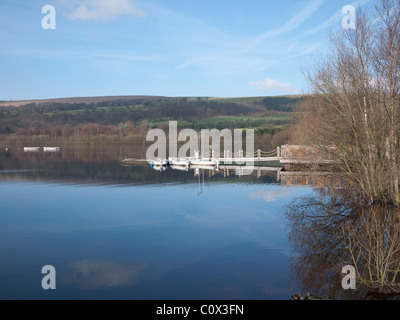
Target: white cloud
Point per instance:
(302, 16)
(104, 9)
(272, 85)
(270, 195)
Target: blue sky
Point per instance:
(217, 48)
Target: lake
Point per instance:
(115, 232)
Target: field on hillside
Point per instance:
(134, 115)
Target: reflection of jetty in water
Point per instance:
(287, 178)
(284, 156)
(285, 162)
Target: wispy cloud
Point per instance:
(104, 9)
(295, 22)
(284, 57)
(272, 85)
(335, 19)
(62, 54)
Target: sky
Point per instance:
(205, 48)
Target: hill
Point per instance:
(73, 100)
(134, 114)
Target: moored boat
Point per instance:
(179, 162)
(159, 163)
(180, 168)
(159, 168)
(31, 149)
(51, 149)
(202, 162)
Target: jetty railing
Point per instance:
(286, 154)
(241, 155)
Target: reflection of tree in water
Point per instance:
(330, 230)
(373, 247)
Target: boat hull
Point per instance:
(31, 149)
(51, 149)
(159, 163)
(204, 163)
(180, 162)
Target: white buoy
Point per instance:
(6, 149)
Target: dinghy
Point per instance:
(179, 162)
(205, 163)
(180, 168)
(159, 168)
(31, 149)
(51, 149)
(159, 163)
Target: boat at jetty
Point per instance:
(204, 163)
(184, 162)
(31, 149)
(160, 168)
(159, 163)
(180, 168)
(51, 149)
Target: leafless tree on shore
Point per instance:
(353, 112)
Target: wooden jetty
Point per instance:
(134, 162)
(278, 163)
(282, 156)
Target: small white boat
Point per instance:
(205, 163)
(159, 163)
(204, 167)
(180, 168)
(31, 149)
(179, 162)
(51, 149)
(159, 168)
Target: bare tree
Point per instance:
(353, 111)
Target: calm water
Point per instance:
(115, 232)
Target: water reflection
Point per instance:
(91, 275)
(333, 228)
(154, 228)
(88, 164)
(135, 233)
(271, 195)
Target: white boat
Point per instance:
(159, 168)
(159, 163)
(204, 167)
(183, 162)
(51, 149)
(180, 168)
(31, 149)
(202, 162)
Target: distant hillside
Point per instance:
(36, 116)
(83, 100)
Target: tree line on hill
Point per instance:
(49, 115)
(124, 120)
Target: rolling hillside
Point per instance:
(135, 114)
